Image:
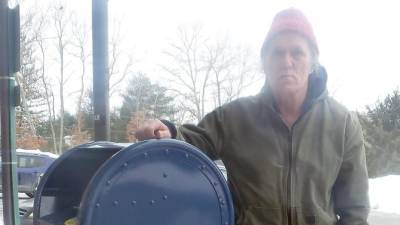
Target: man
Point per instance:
(293, 154)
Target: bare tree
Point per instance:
(60, 19)
(80, 42)
(220, 62)
(28, 78)
(40, 39)
(81, 36)
(188, 69)
(34, 93)
(234, 69)
(203, 69)
(118, 59)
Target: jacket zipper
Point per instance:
(288, 210)
(289, 180)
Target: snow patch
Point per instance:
(384, 194)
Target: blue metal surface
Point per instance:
(61, 188)
(154, 182)
(157, 182)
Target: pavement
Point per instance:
(382, 218)
(25, 203)
(375, 217)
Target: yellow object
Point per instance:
(72, 221)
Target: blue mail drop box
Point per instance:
(156, 182)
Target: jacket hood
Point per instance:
(317, 89)
(317, 83)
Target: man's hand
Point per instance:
(153, 129)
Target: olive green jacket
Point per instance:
(311, 174)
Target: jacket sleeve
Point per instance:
(208, 135)
(350, 191)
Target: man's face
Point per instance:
(287, 64)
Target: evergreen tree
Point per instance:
(381, 125)
(144, 98)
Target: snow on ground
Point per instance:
(384, 194)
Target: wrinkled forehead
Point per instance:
(288, 40)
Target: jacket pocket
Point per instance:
(255, 215)
(310, 217)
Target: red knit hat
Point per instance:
(290, 20)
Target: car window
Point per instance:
(24, 161)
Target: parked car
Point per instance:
(31, 165)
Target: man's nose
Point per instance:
(287, 59)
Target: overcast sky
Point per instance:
(358, 40)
